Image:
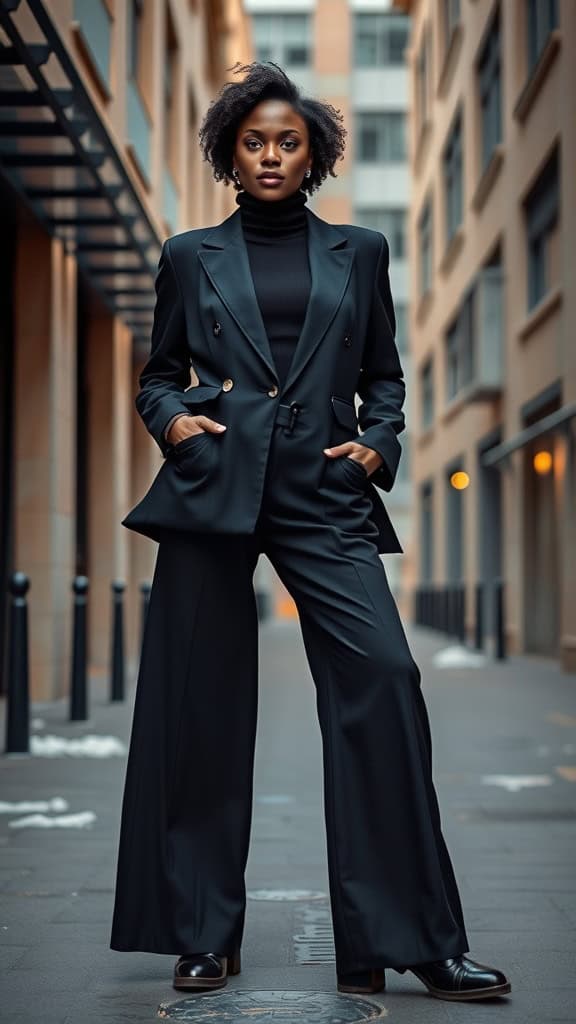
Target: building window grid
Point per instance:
(460, 348)
(380, 40)
(427, 393)
(381, 136)
(422, 80)
(427, 533)
(135, 13)
(490, 91)
(541, 19)
(390, 222)
(453, 179)
(425, 247)
(283, 38)
(541, 213)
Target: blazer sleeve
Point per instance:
(167, 373)
(381, 384)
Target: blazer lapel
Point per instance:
(331, 261)
(225, 260)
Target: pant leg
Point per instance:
(187, 802)
(393, 892)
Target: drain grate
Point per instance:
(274, 1006)
(314, 944)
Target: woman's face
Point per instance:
(272, 140)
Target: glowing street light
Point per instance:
(542, 462)
(460, 480)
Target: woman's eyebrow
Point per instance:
(255, 131)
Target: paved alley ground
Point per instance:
(505, 768)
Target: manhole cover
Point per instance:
(279, 1007)
(285, 894)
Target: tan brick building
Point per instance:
(493, 251)
(99, 161)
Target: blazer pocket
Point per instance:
(344, 412)
(200, 393)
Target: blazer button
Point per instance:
(227, 384)
(216, 328)
(347, 340)
(273, 391)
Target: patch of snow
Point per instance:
(83, 746)
(458, 656)
(82, 819)
(514, 783)
(57, 803)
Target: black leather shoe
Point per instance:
(460, 979)
(205, 970)
(370, 980)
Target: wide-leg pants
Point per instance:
(188, 792)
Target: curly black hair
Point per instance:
(236, 99)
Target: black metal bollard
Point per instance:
(145, 589)
(462, 613)
(18, 711)
(499, 624)
(78, 683)
(117, 667)
(479, 617)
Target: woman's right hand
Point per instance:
(187, 425)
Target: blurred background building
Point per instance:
(493, 250)
(461, 149)
(99, 161)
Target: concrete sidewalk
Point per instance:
(505, 767)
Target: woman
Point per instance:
(285, 318)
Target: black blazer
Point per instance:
(207, 315)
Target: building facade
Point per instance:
(101, 101)
(350, 53)
(492, 244)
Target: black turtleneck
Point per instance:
(275, 233)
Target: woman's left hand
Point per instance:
(370, 459)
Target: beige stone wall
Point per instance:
(539, 349)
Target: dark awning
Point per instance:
(555, 421)
(57, 154)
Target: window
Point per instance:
(490, 91)
(426, 533)
(425, 247)
(454, 528)
(134, 35)
(380, 137)
(427, 393)
(452, 162)
(451, 18)
(422, 81)
(170, 77)
(283, 38)
(459, 348)
(541, 213)
(379, 40)
(541, 19)
(392, 224)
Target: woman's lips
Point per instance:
(270, 181)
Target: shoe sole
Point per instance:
(203, 983)
(466, 996)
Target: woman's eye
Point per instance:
(291, 143)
